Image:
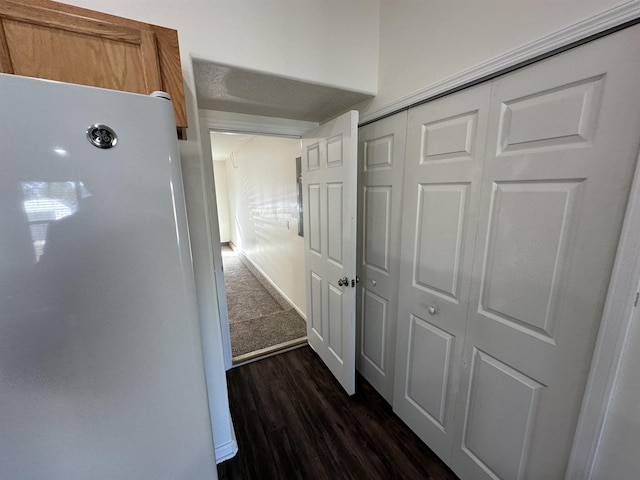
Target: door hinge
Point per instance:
(635, 303)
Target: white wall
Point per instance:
(236, 204)
(425, 41)
(329, 42)
(263, 211)
(332, 42)
(222, 199)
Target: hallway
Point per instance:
(261, 321)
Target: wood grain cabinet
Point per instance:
(45, 39)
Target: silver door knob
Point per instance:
(432, 309)
(343, 282)
(374, 282)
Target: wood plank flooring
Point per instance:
(294, 421)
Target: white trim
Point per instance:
(616, 318)
(213, 234)
(276, 288)
(598, 23)
(233, 122)
(254, 124)
(227, 450)
(270, 351)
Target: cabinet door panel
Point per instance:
(44, 39)
(54, 45)
(90, 60)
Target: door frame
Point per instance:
(215, 121)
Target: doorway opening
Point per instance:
(262, 252)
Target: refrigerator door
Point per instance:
(101, 370)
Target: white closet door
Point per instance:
(381, 149)
(329, 184)
(562, 142)
(443, 167)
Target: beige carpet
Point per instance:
(259, 318)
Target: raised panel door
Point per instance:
(381, 152)
(443, 167)
(329, 202)
(561, 151)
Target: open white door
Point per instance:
(329, 181)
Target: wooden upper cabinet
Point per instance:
(45, 39)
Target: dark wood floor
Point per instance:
(293, 420)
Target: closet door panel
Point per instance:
(440, 234)
(443, 167)
(561, 151)
(381, 151)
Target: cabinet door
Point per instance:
(561, 151)
(443, 168)
(59, 42)
(381, 147)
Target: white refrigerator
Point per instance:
(101, 368)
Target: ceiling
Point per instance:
(232, 89)
(222, 144)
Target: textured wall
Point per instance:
(263, 211)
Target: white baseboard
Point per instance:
(229, 449)
(276, 288)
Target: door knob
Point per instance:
(343, 282)
(432, 309)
